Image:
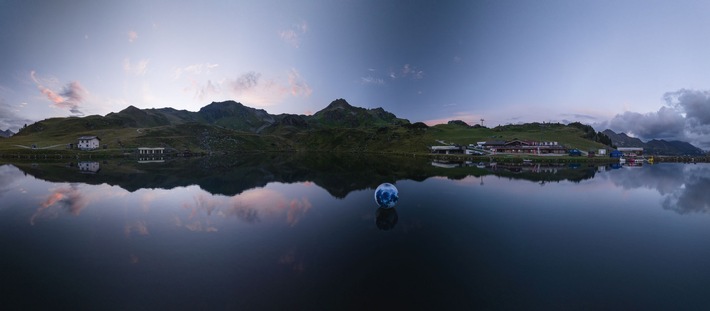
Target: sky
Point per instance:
(639, 67)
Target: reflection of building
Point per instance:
(89, 167)
(88, 142)
(522, 146)
(445, 164)
(631, 151)
(151, 160)
(151, 154)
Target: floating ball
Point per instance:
(386, 195)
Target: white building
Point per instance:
(146, 150)
(88, 142)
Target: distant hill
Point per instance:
(655, 146)
(6, 133)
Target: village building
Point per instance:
(525, 147)
(447, 149)
(88, 142)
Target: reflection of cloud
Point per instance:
(291, 259)
(63, 198)
(8, 176)
(196, 226)
(138, 227)
(692, 197)
(251, 206)
(296, 210)
(684, 187)
(243, 212)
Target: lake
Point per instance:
(303, 232)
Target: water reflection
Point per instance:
(386, 218)
(683, 187)
(67, 198)
(249, 234)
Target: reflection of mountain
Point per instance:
(338, 174)
(684, 187)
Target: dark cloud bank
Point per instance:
(685, 116)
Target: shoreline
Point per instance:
(53, 154)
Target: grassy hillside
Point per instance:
(197, 137)
(567, 136)
(228, 127)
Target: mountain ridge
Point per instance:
(654, 146)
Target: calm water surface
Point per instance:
(249, 235)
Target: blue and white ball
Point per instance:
(386, 195)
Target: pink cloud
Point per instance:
(71, 97)
(298, 85)
(469, 118)
(132, 36)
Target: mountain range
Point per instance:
(235, 116)
(654, 146)
(229, 126)
(6, 133)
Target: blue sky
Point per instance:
(635, 66)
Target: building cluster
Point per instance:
(513, 146)
(530, 147)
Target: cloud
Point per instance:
(137, 69)
(685, 116)
(194, 69)
(696, 107)
(579, 116)
(71, 97)
(264, 91)
(9, 119)
(666, 123)
(292, 36)
(207, 90)
(298, 85)
(245, 82)
(469, 118)
(372, 80)
(132, 36)
(407, 71)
